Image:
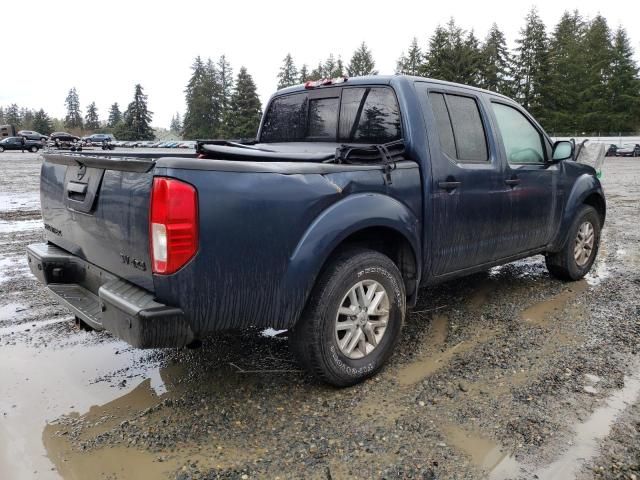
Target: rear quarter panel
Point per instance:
(260, 252)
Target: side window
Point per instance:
(522, 141)
(369, 115)
(460, 129)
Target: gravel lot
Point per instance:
(505, 374)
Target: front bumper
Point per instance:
(108, 302)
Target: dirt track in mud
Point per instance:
(506, 374)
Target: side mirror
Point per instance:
(562, 150)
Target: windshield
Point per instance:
(350, 114)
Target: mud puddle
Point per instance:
(584, 444)
(483, 452)
(30, 399)
(539, 313)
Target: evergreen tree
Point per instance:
(317, 73)
(598, 52)
(12, 116)
(624, 86)
(219, 86)
(339, 70)
(2, 122)
(91, 121)
(115, 116)
(304, 74)
(453, 56)
(73, 119)
(176, 123)
(362, 62)
(566, 74)
(42, 122)
(531, 71)
(410, 64)
(288, 74)
(469, 71)
(495, 70)
(332, 68)
(26, 119)
(201, 118)
(137, 119)
(223, 84)
(243, 116)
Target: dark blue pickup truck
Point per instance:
(355, 194)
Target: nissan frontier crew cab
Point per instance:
(355, 193)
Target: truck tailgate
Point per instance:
(97, 208)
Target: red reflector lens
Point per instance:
(173, 224)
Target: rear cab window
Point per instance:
(367, 115)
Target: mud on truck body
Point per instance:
(355, 194)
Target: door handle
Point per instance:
(512, 182)
(449, 185)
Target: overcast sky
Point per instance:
(105, 48)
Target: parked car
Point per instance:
(31, 135)
(15, 143)
(98, 138)
(147, 144)
(628, 150)
(187, 144)
(611, 150)
(64, 137)
(354, 194)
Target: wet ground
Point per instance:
(506, 374)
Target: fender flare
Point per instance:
(330, 228)
(584, 186)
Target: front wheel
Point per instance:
(578, 254)
(353, 319)
(1, 149)
(33, 149)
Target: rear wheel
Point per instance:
(33, 149)
(1, 149)
(353, 319)
(577, 256)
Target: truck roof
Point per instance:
(389, 80)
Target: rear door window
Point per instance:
(460, 128)
(369, 115)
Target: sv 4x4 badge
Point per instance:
(139, 264)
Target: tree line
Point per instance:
(132, 124)
(219, 105)
(579, 77)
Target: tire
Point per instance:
(1, 149)
(565, 264)
(317, 337)
(33, 149)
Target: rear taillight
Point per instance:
(173, 224)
